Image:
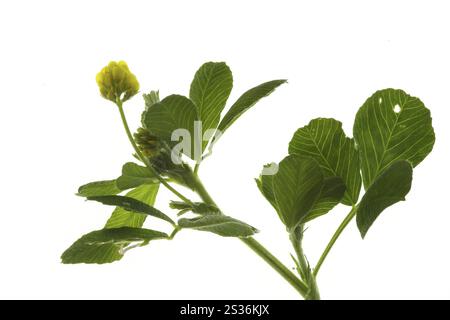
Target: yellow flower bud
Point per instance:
(115, 81)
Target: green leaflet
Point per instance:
(208, 94)
(390, 187)
(219, 224)
(173, 113)
(325, 141)
(133, 205)
(134, 175)
(331, 192)
(265, 185)
(391, 125)
(99, 188)
(119, 218)
(246, 101)
(107, 245)
(296, 187)
(209, 91)
(124, 218)
(195, 207)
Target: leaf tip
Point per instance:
(362, 230)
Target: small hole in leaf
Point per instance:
(380, 100)
(397, 108)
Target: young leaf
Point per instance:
(297, 186)
(210, 89)
(390, 187)
(172, 113)
(107, 245)
(131, 204)
(134, 175)
(195, 207)
(219, 224)
(246, 101)
(332, 192)
(265, 185)
(124, 218)
(325, 141)
(391, 125)
(149, 99)
(99, 188)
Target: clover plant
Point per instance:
(392, 134)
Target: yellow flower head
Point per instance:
(115, 81)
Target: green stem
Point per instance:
(258, 248)
(261, 251)
(335, 236)
(297, 244)
(142, 157)
(303, 268)
(202, 192)
(295, 282)
(174, 232)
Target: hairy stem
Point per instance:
(303, 268)
(333, 239)
(296, 238)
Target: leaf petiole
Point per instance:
(302, 264)
(174, 232)
(197, 166)
(334, 238)
(296, 241)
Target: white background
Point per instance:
(58, 133)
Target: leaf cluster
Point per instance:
(392, 134)
(134, 192)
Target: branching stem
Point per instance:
(260, 250)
